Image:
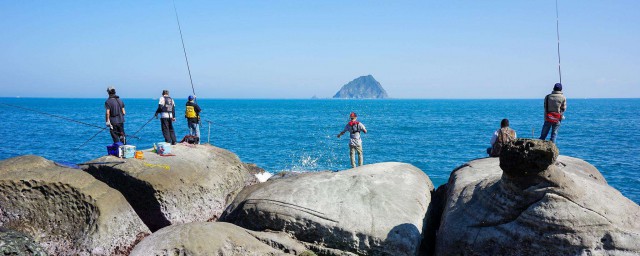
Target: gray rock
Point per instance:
(194, 185)
(565, 209)
(67, 211)
(205, 238)
(16, 243)
(364, 87)
(370, 210)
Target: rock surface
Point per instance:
(364, 87)
(194, 185)
(370, 210)
(65, 210)
(16, 243)
(565, 208)
(205, 238)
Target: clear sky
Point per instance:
(297, 49)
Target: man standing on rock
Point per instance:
(355, 143)
(192, 113)
(554, 106)
(167, 111)
(115, 116)
(501, 137)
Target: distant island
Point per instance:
(364, 87)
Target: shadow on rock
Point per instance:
(405, 232)
(139, 194)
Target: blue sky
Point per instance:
(297, 49)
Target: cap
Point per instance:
(111, 89)
(353, 114)
(191, 97)
(557, 87)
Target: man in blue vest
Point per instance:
(167, 111)
(115, 116)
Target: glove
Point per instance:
(108, 124)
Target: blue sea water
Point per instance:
(434, 135)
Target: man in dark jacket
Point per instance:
(554, 106)
(115, 116)
(167, 111)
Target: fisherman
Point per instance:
(554, 106)
(192, 113)
(501, 137)
(115, 116)
(167, 111)
(355, 143)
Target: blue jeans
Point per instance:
(554, 131)
(194, 129)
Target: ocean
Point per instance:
(300, 135)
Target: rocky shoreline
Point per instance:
(205, 201)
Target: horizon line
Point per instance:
(155, 98)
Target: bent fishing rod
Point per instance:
(558, 37)
(184, 49)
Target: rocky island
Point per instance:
(364, 87)
(205, 201)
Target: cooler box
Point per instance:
(114, 149)
(128, 151)
(163, 148)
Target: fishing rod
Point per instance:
(145, 124)
(558, 37)
(92, 137)
(87, 141)
(184, 49)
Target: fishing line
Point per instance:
(558, 36)
(102, 128)
(183, 48)
(52, 115)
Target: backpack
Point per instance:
(355, 127)
(191, 139)
(505, 136)
(190, 112)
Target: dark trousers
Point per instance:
(117, 133)
(167, 130)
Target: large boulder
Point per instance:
(370, 210)
(67, 211)
(563, 208)
(206, 238)
(195, 184)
